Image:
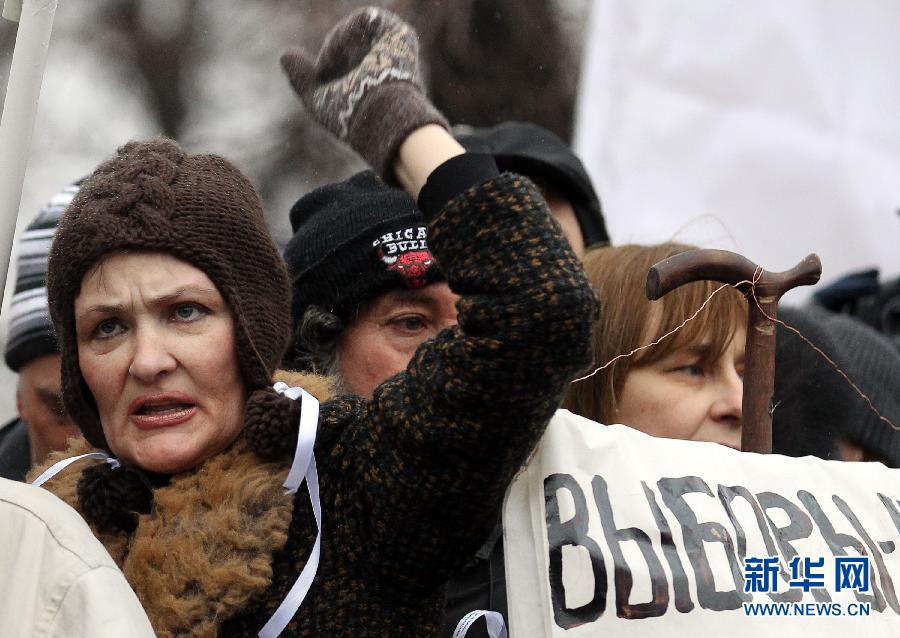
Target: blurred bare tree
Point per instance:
(207, 74)
(159, 46)
(496, 60)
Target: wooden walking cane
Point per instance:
(762, 297)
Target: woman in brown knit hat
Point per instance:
(172, 309)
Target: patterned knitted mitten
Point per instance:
(364, 86)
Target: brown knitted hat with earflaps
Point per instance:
(152, 196)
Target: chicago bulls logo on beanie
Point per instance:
(406, 252)
(353, 240)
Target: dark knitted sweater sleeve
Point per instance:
(444, 439)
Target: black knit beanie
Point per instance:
(30, 332)
(353, 240)
(533, 151)
(812, 399)
(152, 196)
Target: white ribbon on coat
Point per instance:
(494, 619)
(303, 467)
(59, 466)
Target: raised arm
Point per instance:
(443, 439)
(420, 153)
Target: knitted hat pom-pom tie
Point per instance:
(271, 424)
(111, 499)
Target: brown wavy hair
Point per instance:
(629, 320)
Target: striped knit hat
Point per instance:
(30, 331)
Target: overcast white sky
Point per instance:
(768, 128)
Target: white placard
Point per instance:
(609, 530)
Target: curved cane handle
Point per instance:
(767, 288)
(728, 268)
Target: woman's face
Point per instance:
(688, 395)
(156, 347)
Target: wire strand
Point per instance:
(829, 360)
(752, 283)
(625, 355)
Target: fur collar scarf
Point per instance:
(205, 549)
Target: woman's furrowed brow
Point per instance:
(181, 293)
(103, 309)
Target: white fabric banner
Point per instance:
(768, 128)
(608, 529)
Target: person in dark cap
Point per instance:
(817, 412)
(366, 289)
(343, 276)
(533, 151)
(42, 425)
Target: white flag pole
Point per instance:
(35, 19)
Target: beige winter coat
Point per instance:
(57, 579)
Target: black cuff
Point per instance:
(457, 175)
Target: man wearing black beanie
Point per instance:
(367, 291)
(366, 288)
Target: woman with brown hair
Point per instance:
(686, 386)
